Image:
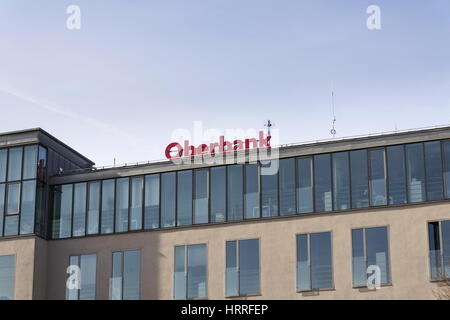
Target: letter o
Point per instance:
(170, 147)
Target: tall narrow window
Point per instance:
(42, 164)
(269, 193)
(201, 202)
(30, 162)
(168, 199)
(446, 146)
(190, 277)
(439, 245)
(314, 262)
(305, 202)
(433, 163)
(108, 194)
(87, 265)
(79, 209)
(15, 164)
(252, 191)
(7, 277)
(359, 179)
(3, 164)
(13, 198)
(137, 187)
(242, 268)
(396, 175)
(377, 177)
(28, 207)
(151, 213)
(93, 208)
(218, 194)
(341, 181)
(235, 193)
(126, 275)
(62, 212)
(322, 177)
(2, 207)
(122, 204)
(184, 198)
(370, 248)
(287, 187)
(415, 172)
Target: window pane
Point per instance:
(287, 187)
(12, 225)
(180, 273)
(151, 214)
(249, 267)
(30, 162)
(322, 174)
(341, 181)
(416, 172)
(377, 178)
(2, 207)
(231, 273)
(196, 272)
(235, 193)
(15, 164)
(3, 162)
(168, 191)
(131, 274)
(435, 250)
(72, 294)
(433, 161)
(201, 196)
(321, 265)
(269, 194)
(116, 281)
(13, 198)
(122, 203)
(359, 179)
(93, 207)
(358, 258)
(62, 213)
(42, 163)
(137, 185)
(28, 207)
(108, 190)
(305, 185)
(303, 268)
(445, 225)
(377, 251)
(218, 194)
(446, 146)
(88, 275)
(184, 198)
(252, 191)
(7, 276)
(79, 210)
(396, 175)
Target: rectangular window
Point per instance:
(218, 194)
(3, 164)
(235, 192)
(87, 265)
(107, 216)
(168, 199)
(137, 188)
(122, 204)
(15, 164)
(79, 209)
(28, 207)
(13, 198)
(341, 181)
(252, 191)
(7, 277)
(269, 192)
(242, 268)
(323, 198)
(439, 246)
(446, 146)
(314, 262)
(396, 175)
(287, 187)
(62, 211)
(151, 213)
(359, 179)
(201, 202)
(415, 172)
(93, 208)
(42, 164)
(370, 248)
(126, 275)
(30, 162)
(190, 276)
(377, 177)
(305, 189)
(2, 206)
(433, 164)
(184, 198)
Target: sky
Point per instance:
(137, 71)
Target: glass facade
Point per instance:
(190, 272)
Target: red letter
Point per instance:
(187, 147)
(264, 142)
(222, 145)
(169, 149)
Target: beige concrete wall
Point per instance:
(408, 246)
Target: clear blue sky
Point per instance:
(139, 69)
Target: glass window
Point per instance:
(439, 244)
(179, 285)
(15, 164)
(287, 187)
(190, 272)
(242, 267)
(322, 178)
(30, 162)
(446, 146)
(341, 181)
(11, 225)
(3, 164)
(201, 196)
(396, 175)
(79, 209)
(151, 213)
(433, 162)
(252, 191)
(137, 186)
(184, 198)
(305, 185)
(370, 248)
(93, 208)
(415, 172)
(218, 194)
(122, 204)
(314, 262)
(126, 273)
(13, 198)
(269, 193)
(87, 264)
(42, 163)
(62, 212)
(377, 177)
(2, 207)
(7, 277)
(235, 192)
(359, 179)
(107, 216)
(168, 196)
(28, 207)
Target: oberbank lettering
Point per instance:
(235, 309)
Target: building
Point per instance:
(336, 213)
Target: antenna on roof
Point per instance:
(268, 125)
(333, 126)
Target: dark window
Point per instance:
(415, 172)
(218, 194)
(201, 200)
(137, 187)
(93, 208)
(322, 178)
(184, 198)
(287, 187)
(269, 191)
(305, 185)
(252, 191)
(439, 246)
(42, 163)
(235, 193)
(151, 214)
(126, 275)
(396, 175)
(341, 181)
(122, 204)
(79, 209)
(2, 207)
(108, 193)
(359, 179)
(87, 265)
(7, 277)
(433, 162)
(168, 199)
(377, 177)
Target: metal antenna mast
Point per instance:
(333, 128)
(268, 125)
